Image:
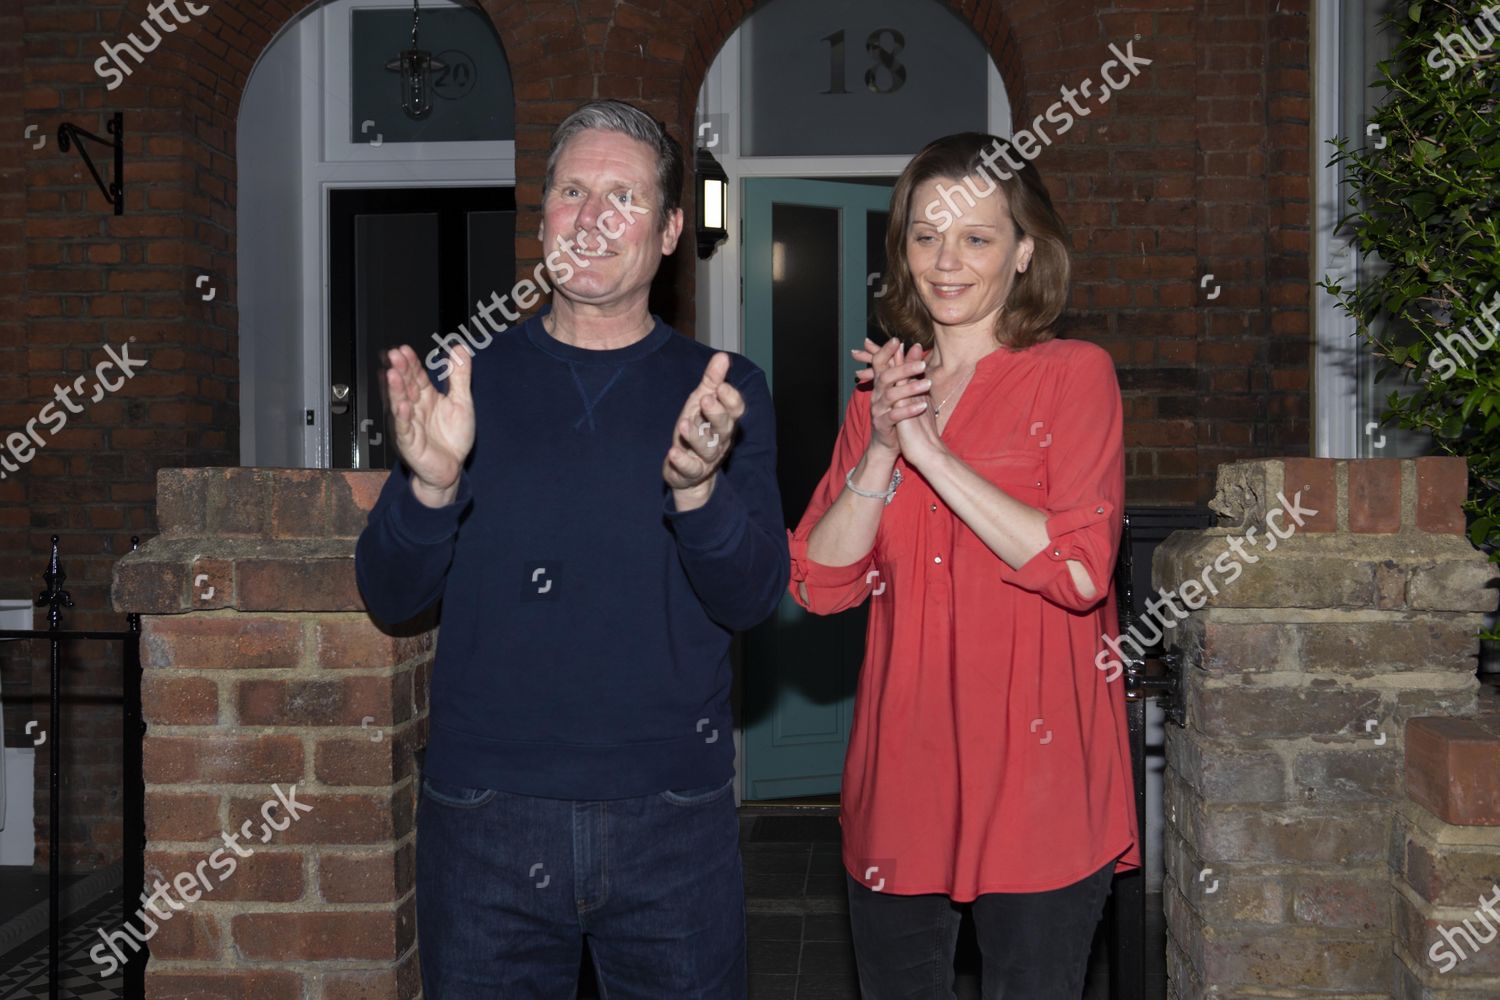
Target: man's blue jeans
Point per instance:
(508, 886)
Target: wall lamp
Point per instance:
(416, 67)
(713, 203)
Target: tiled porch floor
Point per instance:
(798, 924)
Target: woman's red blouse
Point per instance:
(988, 753)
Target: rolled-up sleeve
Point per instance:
(1086, 486)
(831, 589)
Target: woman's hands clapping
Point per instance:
(902, 420)
(898, 389)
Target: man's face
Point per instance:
(604, 203)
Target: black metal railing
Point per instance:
(54, 599)
(1154, 675)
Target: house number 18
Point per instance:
(884, 58)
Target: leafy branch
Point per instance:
(1422, 204)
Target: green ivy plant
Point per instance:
(1423, 203)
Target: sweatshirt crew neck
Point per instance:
(537, 333)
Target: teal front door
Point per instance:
(814, 260)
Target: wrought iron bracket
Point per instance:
(114, 191)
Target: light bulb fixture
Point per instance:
(713, 203)
(416, 67)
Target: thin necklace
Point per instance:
(938, 409)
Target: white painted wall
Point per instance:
(17, 799)
(269, 252)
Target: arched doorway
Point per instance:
(803, 109)
(813, 109)
(362, 223)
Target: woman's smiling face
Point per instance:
(965, 272)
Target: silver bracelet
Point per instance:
(887, 496)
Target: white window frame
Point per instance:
(340, 163)
(1336, 371)
(337, 93)
(719, 101)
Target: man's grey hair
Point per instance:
(617, 116)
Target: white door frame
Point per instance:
(1336, 374)
(331, 160)
(341, 163)
(719, 101)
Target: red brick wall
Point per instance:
(1200, 166)
(279, 681)
(1305, 676)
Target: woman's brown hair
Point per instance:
(1040, 292)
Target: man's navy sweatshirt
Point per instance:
(585, 622)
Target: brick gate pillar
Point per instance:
(279, 753)
(1445, 862)
(1300, 673)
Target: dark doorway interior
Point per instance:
(405, 264)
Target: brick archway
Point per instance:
(703, 33)
(186, 97)
(992, 22)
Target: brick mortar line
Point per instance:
(1481, 839)
(1227, 615)
(200, 788)
(1378, 873)
(1423, 972)
(1456, 680)
(1275, 745)
(166, 729)
(286, 850)
(363, 790)
(236, 963)
(1190, 790)
(1433, 911)
(350, 791)
(261, 906)
(313, 670)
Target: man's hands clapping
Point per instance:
(703, 435)
(434, 432)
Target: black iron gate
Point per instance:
(1154, 675)
(133, 794)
